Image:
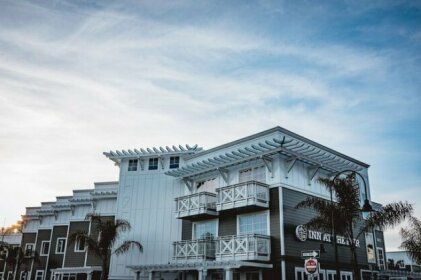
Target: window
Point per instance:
(29, 248)
(174, 162)
(23, 275)
(45, 248)
(380, 260)
(153, 164)
(61, 245)
(253, 223)
(80, 244)
(255, 173)
(1, 275)
(346, 275)
(209, 185)
(132, 165)
(39, 275)
(202, 230)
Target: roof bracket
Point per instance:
(311, 172)
(162, 161)
(189, 184)
(225, 174)
(268, 161)
(141, 163)
(289, 164)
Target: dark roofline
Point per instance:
(282, 130)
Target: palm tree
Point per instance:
(16, 257)
(108, 232)
(412, 239)
(344, 215)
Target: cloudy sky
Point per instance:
(81, 77)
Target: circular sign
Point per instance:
(301, 233)
(310, 266)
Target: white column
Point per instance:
(150, 275)
(200, 275)
(228, 273)
(89, 276)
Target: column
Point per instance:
(228, 273)
(137, 276)
(150, 275)
(89, 275)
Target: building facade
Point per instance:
(224, 213)
(229, 212)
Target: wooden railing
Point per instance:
(250, 193)
(243, 247)
(195, 204)
(201, 249)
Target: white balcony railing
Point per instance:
(251, 193)
(251, 247)
(193, 250)
(203, 203)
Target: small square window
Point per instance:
(61, 245)
(45, 248)
(80, 244)
(174, 162)
(132, 165)
(153, 164)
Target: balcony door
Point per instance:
(205, 229)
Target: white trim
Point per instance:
(41, 251)
(330, 272)
(26, 248)
(378, 258)
(26, 276)
(255, 213)
(202, 222)
(281, 230)
(65, 247)
(42, 274)
(346, 273)
(77, 242)
(1, 275)
(48, 257)
(89, 234)
(65, 244)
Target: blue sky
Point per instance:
(81, 77)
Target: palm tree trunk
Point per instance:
(104, 273)
(338, 269)
(354, 255)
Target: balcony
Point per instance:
(195, 206)
(247, 195)
(247, 247)
(194, 250)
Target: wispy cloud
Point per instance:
(80, 78)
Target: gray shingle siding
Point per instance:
(72, 258)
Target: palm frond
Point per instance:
(389, 216)
(412, 239)
(127, 245)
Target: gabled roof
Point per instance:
(265, 144)
(117, 156)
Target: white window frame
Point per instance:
(26, 248)
(10, 275)
(330, 272)
(157, 163)
(42, 274)
(41, 251)
(132, 168)
(77, 245)
(1, 275)
(255, 213)
(205, 221)
(378, 258)
(64, 246)
(178, 163)
(346, 273)
(26, 275)
(302, 271)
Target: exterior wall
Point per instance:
(146, 200)
(41, 264)
(72, 258)
(293, 247)
(56, 259)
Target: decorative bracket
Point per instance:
(162, 161)
(55, 214)
(225, 174)
(311, 172)
(93, 203)
(289, 164)
(189, 184)
(72, 209)
(268, 161)
(142, 163)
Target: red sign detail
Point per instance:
(310, 265)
